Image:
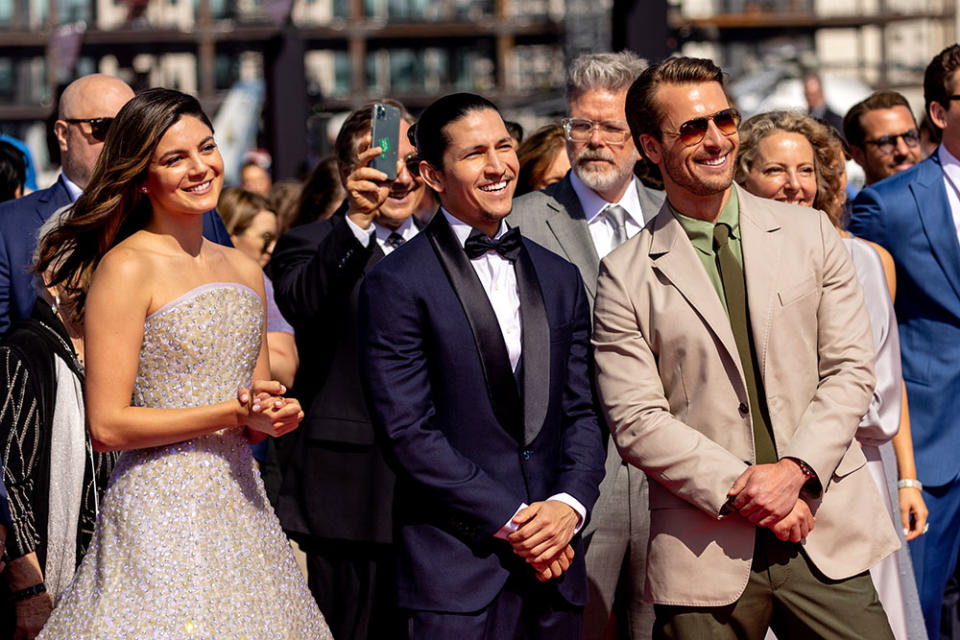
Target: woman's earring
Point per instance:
(143, 189)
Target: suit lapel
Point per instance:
(58, 195)
(648, 207)
(569, 225)
(936, 216)
(760, 243)
(491, 349)
(673, 255)
(536, 347)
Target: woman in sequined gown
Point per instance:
(186, 545)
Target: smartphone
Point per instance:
(385, 133)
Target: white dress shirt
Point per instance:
(601, 229)
(72, 190)
(499, 280)
(951, 181)
(406, 230)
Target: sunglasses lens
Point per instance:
(100, 127)
(413, 166)
(912, 138)
(692, 131)
(727, 121)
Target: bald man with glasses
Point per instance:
(86, 111)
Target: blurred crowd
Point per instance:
(736, 435)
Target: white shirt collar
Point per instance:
(593, 204)
(948, 161)
(406, 230)
(463, 230)
(72, 190)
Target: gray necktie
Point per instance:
(618, 218)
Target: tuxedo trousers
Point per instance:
(786, 593)
(523, 610)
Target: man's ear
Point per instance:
(938, 114)
(432, 176)
(651, 148)
(60, 131)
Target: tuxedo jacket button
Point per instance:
(743, 408)
(525, 454)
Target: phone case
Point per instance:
(386, 135)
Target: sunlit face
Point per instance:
(605, 167)
(879, 124)
(406, 192)
(255, 179)
(186, 172)
(480, 166)
(703, 168)
(784, 169)
(948, 118)
(79, 148)
(258, 240)
(557, 169)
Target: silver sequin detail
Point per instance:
(187, 545)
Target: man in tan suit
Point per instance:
(734, 361)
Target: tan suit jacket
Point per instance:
(673, 391)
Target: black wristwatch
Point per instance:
(23, 594)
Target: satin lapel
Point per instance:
(536, 347)
(760, 243)
(569, 225)
(673, 255)
(937, 219)
(491, 349)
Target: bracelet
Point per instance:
(23, 594)
(910, 483)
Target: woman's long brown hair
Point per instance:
(112, 207)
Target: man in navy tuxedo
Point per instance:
(476, 362)
(87, 107)
(915, 215)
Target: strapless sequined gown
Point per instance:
(186, 545)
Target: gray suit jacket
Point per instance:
(554, 218)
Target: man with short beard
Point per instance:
(734, 359)
(594, 209)
(882, 134)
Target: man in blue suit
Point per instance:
(87, 107)
(474, 346)
(915, 215)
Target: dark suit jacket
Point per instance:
(909, 215)
(20, 220)
(469, 449)
(336, 483)
(554, 218)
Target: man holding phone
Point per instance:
(336, 496)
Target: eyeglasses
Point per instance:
(98, 126)
(693, 131)
(888, 144)
(581, 130)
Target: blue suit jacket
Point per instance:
(464, 465)
(909, 215)
(20, 220)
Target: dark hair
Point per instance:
(355, 127)
(112, 207)
(937, 75)
(515, 129)
(643, 112)
(13, 171)
(536, 153)
(428, 133)
(322, 193)
(853, 122)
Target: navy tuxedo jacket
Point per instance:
(20, 220)
(469, 441)
(909, 215)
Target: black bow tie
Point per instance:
(508, 245)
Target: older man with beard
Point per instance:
(594, 209)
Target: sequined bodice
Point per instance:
(199, 348)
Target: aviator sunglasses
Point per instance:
(693, 131)
(98, 126)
